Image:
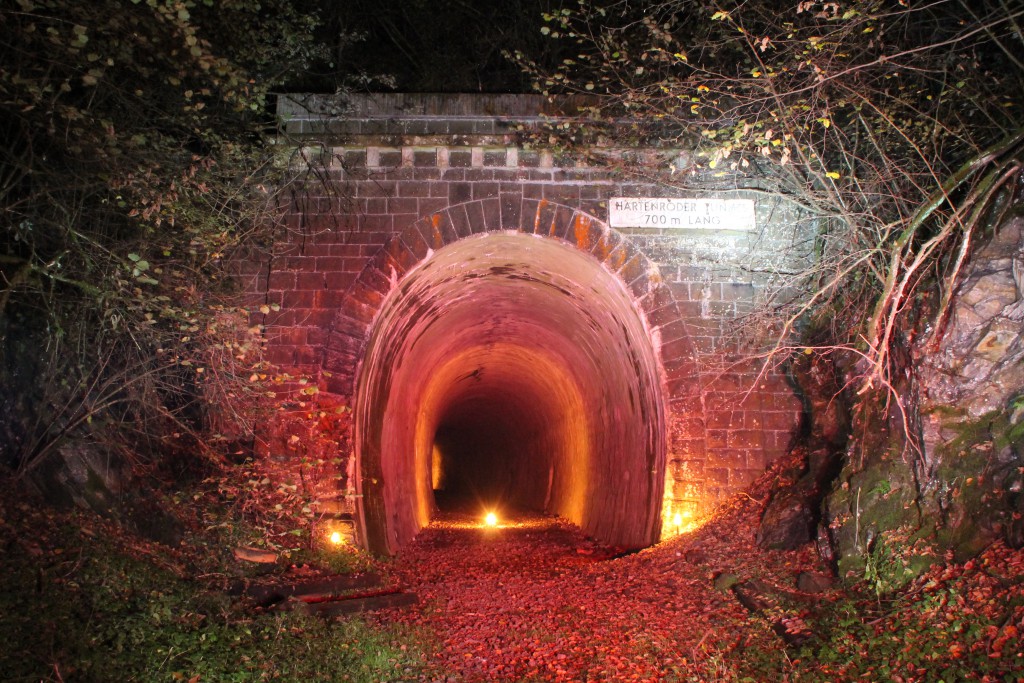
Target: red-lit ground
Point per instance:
(535, 601)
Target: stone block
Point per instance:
(397, 205)
(399, 259)
(561, 223)
(414, 188)
(475, 216)
(307, 356)
(607, 243)
(383, 224)
(376, 188)
(483, 190)
(562, 194)
(495, 157)
(339, 281)
(428, 205)
(430, 231)
(389, 158)
(745, 438)
(298, 299)
(459, 220)
(491, 209)
(281, 280)
(424, 157)
(362, 294)
(460, 192)
(414, 242)
(511, 210)
(542, 216)
(309, 281)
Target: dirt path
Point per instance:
(534, 600)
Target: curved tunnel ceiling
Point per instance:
(515, 369)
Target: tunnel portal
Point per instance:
(511, 371)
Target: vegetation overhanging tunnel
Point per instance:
(516, 369)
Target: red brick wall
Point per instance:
(380, 211)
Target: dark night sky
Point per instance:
(434, 45)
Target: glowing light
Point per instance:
(680, 522)
(336, 538)
(491, 519)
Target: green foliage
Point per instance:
(954, 623)
(895, 124)
(136, 165)
(82, 602)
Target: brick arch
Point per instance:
(660, 313)
(403, 252)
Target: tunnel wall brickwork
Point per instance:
(390, 191)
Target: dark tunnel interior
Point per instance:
(510, 371)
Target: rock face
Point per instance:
(972, 400)
(85, 474)
(898, 504)
(792, 515)
(977, 365)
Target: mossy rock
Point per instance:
(889, 517)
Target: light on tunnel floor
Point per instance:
(683, 522)
(491, 519)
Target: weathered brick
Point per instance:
(306, 281)
(543, 215)
(327, 264)
(460, 221)
(285, 336)
(390, 159)
(483, 190)
(306, 356)
(533, 190)
(374, 224)
(745, 438)
(403, 205)
(281, 280)
(376, 188)
(511, 210)
(428, 205)
(717, 438)
(494, 157)
(608, 241)
(492, 213)
(415, 243)
(298, 299)
(561, 223)
(475, 216)
(460, 192)
(424, 158)
(458, 158)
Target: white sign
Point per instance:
(681, 213)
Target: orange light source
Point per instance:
(336, 538)
(491, 519)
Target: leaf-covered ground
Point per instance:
(533, 600)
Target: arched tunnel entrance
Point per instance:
(516, 371)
